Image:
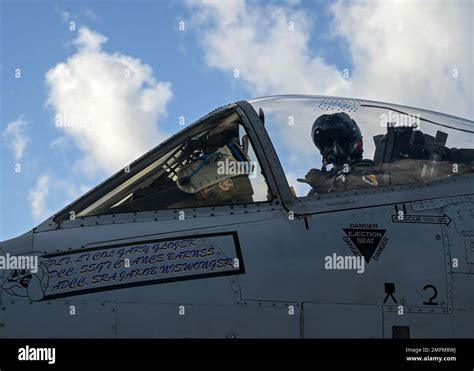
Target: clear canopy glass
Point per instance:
(420, 137)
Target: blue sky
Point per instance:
(192, 73)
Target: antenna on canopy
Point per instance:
(261, 116)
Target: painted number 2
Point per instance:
(435, 294)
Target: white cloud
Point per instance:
(107, 104)
(15, 136)
(257, 41)
(38, 198)
(402, 52)
(64, 191)
(410, 52)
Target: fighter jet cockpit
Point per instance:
(324, 146)
(211, 164)
(330, 145)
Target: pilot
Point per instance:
(212, 187)
(339, 140)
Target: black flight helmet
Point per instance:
(338, 138)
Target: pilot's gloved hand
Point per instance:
(314, 178)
